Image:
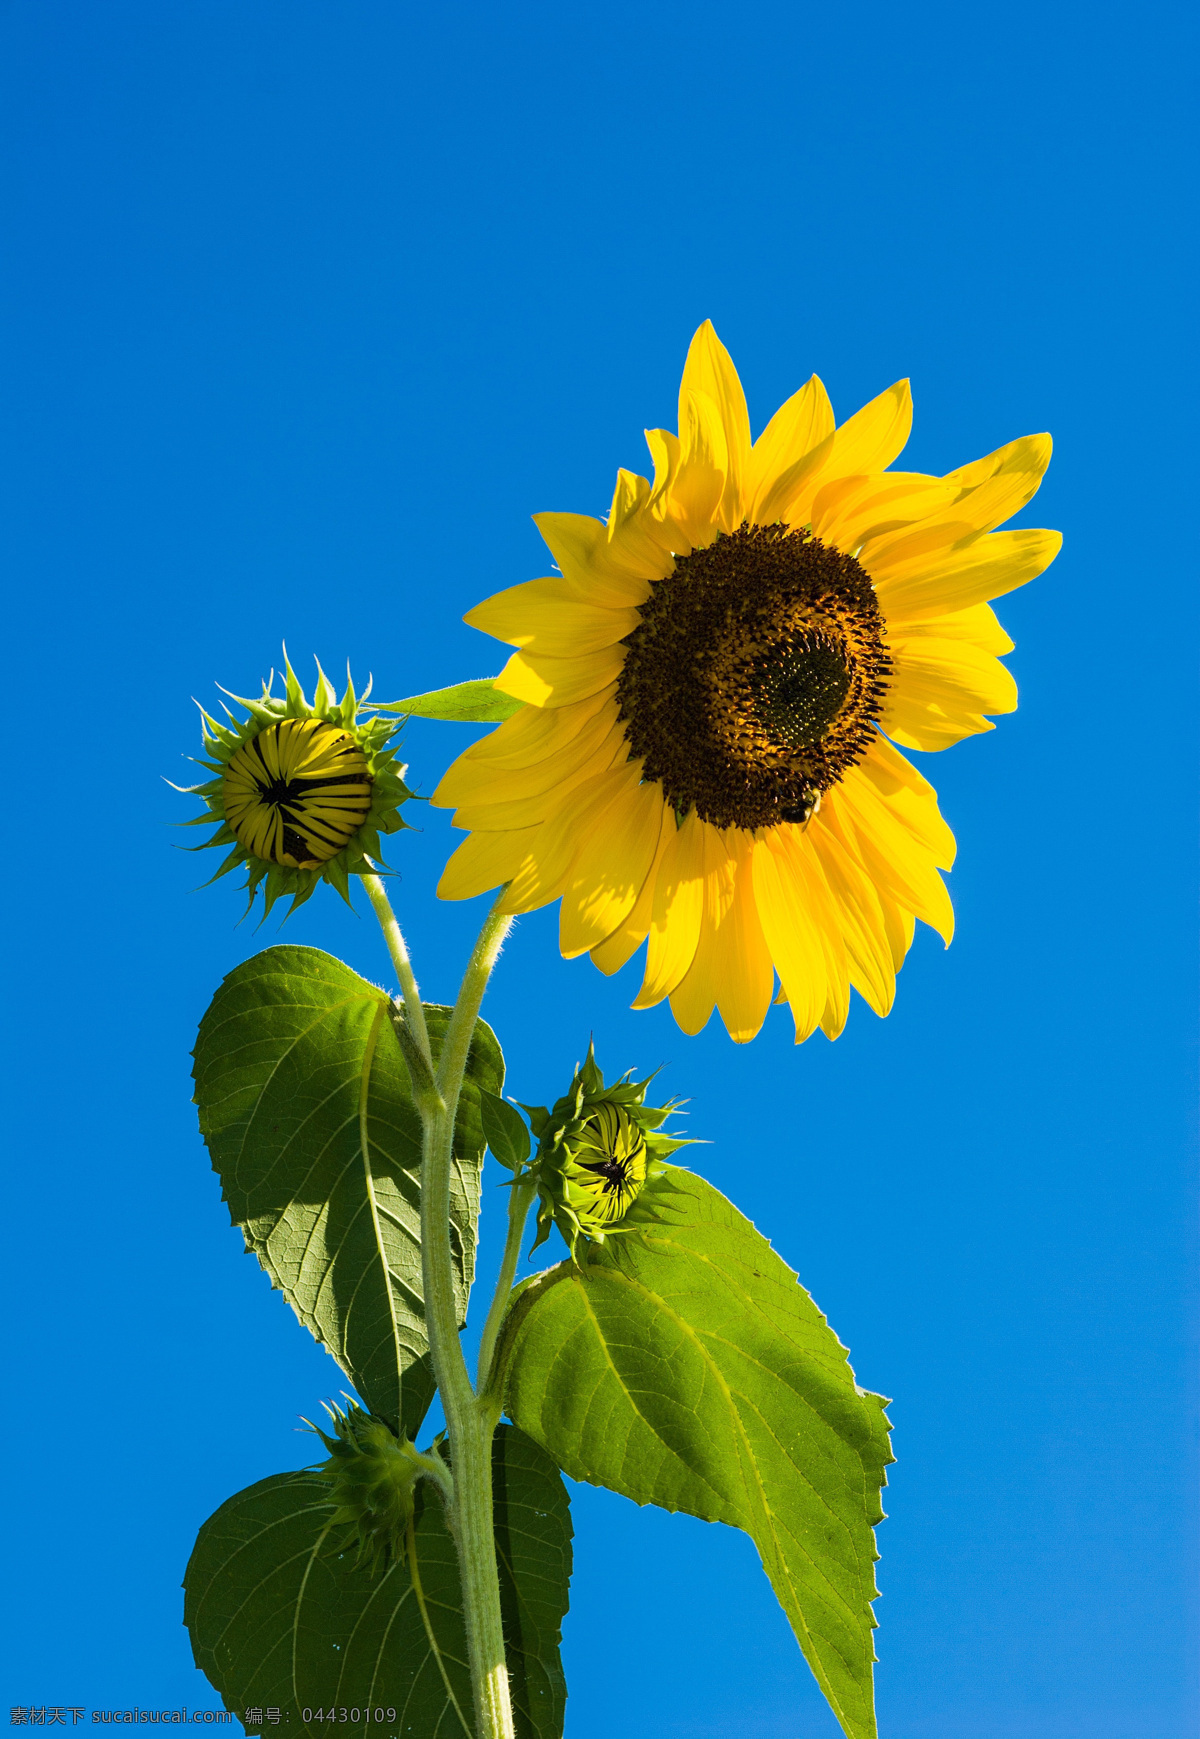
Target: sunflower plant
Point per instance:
(698, 750)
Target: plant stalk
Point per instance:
(396, 947)
(470, 1422)
(520, 1197)
(470, 1425)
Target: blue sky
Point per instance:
(306, 309)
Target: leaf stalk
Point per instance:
(520, 1200)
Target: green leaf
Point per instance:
(477, 703)
(505, 1129)
(295, 1063)
(280, 1616)
(683, 1365)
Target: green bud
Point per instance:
(373, 1474)
(598, 1164)
(301, 791)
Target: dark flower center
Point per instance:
(755, 677)
(615, 1172)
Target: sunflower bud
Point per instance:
(373, 1474)
(301, 792)
(599, 1156)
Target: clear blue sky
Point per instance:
(306, 308)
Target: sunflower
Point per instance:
(302, 792)
(598, 1150)
(372, 1474)
(715, 685)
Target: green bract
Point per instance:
(478, 702)
(599, 1153)
(372, 1473)
(301, 792)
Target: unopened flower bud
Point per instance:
(373, 1474)
(301, 792)
(598, 1157)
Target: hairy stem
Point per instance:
(520, 1196)
(394, 938)
(469, 1424)
(473, 1523)
(441, 1316)
(470, 1421)
(461, 1030)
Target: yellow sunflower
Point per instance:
(714, 685)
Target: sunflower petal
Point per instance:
(744, 972)
(827, 927)
(695, 997)
(874, 436)
(898, 784)
(665, 452)
(980, 625)
(732, 968)
(528, 801)
(849, 510)
(646, 544)
(618, 949)
(899, 924)
(677, 912)
(996, 487)
(547, 618)
(534, 734)
(543, 872)
(609, 870)
(573, 539)
(631, 492)
(789, 927)
(797, 432)
(597, 569)
(942, 690)
(697, 488)
(863, 926)
(983, 569)
(788, 497)
(552, 682)
(483, 861)
(709, 372)
(896, 861)
(937, 540)
(478, 781)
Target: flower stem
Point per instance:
(469, 1423)
(521, 1195)
(461, 1030)
(394, 938)
(470, 1420)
